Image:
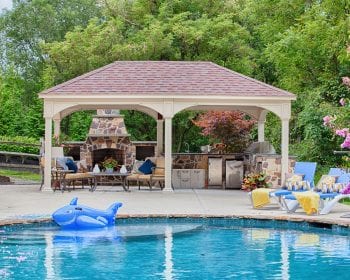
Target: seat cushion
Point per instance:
(146, 167)
(160, 162)
(159, 171)
(133, 177)
(158, 178)
(144, 177)
(78, 176)
(71, 165)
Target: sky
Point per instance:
(5, 4)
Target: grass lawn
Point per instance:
(346, 201)
(24, 175)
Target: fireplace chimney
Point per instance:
(108, 123)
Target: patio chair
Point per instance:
(135, 174)
(157, 175)
(307, 169)
(139, 176)
(293, 204)
(326, 200)
(70, 179)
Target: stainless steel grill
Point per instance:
(256, 148)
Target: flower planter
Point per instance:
(109, 170)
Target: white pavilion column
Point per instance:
(168, 154)
(261, 131)
(57, 127)
(284, 148)
(48, 146)
(160, 133)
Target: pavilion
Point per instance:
(161, 89)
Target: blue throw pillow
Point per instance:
(71, 165)
(146, 167)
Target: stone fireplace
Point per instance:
(107, 137)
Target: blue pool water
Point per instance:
(176, 249)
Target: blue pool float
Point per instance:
(74, 216)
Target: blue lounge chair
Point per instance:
(327, 200)
(308, 169)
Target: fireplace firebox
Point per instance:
(108, 137)
(100, 155)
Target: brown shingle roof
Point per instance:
(156, 78)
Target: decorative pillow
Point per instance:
(61, 162)
(295, 178)
(146, 167)
(71, 165)
(293, 181)
(82, 167)
(305, 185)
(298, 186)
(327, 188)
(338, 187)
(136, 166)
(153, 159)
(325, 182)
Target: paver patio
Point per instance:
(20, 202)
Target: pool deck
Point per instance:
(23, 203)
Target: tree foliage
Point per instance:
(297, 45)
(230, 128)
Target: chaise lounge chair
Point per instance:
(326, 200)
(307, 169)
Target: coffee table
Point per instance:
(110, 178)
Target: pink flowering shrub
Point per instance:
(337, 123)
(346, 190)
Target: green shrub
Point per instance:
(19, 144)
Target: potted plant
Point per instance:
(109, 164)
(255, 180)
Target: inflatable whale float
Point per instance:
(75, 216)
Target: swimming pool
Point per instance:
(176, 249)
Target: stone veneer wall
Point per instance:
(271, 165)
(108, 142)
(190, 161)
(108, 126)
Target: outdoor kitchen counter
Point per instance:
(210, 154)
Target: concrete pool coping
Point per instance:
(26, 204)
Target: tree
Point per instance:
(140, 126)
(22, 30)
(11, 109)
(31, 22)
(187, 134)
(231, 128)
